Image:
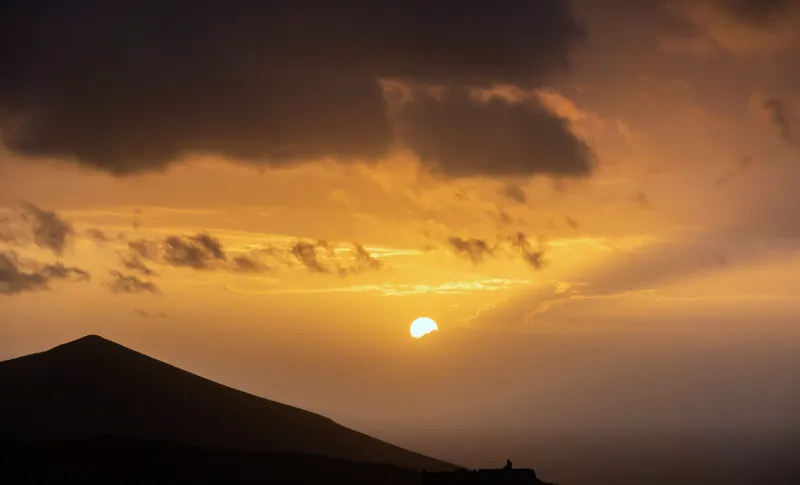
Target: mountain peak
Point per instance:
(90, 343)
(91, 339)
(93, 386)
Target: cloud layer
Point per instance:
(127, 87)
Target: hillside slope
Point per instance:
(93, 387)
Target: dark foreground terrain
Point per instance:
(117, 459)
(93, 387)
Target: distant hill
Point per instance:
(117, 459)
(93, 387)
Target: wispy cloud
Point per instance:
(389, 289)
(206, 252)
(17, 276)
(50, 231)
(478, 250)
(121, 283)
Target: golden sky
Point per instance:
(660, 279)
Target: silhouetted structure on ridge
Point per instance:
(500, 476)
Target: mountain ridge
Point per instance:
(93, 386)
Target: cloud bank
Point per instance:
(127, 87)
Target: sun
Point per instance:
(423, 326)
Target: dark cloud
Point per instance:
(49, 230)
(306, 254)
(363, 260)
(134, 263)
(515, 246)
(59, 271)
(778, 113)
(143, 248)
(325, 258)
(533, 257)
(13, 280)
(460, 135)
(121, 283)
(130, 86)
(505, 219)
(472, 248)
(247, 264)
(572, 223)
(205, 252)
(97, 236)
(201, 251)
(16, 277)
(515, 193)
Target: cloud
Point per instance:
(205, 252)
(143, 248)
(121, 283)
(572, 223)
(458, 134)
(504, 217)
(130, 87)
(777, 111)
(533, 257)
(363, 260)
(13, 280)
(477, 250)
(16, 277)
(472, 248)
(201, 251)
(307, 254)
(134, 263)
(665, 264)
(323, 257)
(59, 271)
(387, 289)
(247, 264)
(49, 230)
(514, 192)
(97, 236)
(739, 27)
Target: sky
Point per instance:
(595, 201)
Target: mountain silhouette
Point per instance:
(93, 387)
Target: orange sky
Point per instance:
(671, 269)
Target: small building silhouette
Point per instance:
(487, 476)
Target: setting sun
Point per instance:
(423, 326)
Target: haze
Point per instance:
(599, 211)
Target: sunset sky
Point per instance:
(597, 202)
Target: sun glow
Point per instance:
(423, 326)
